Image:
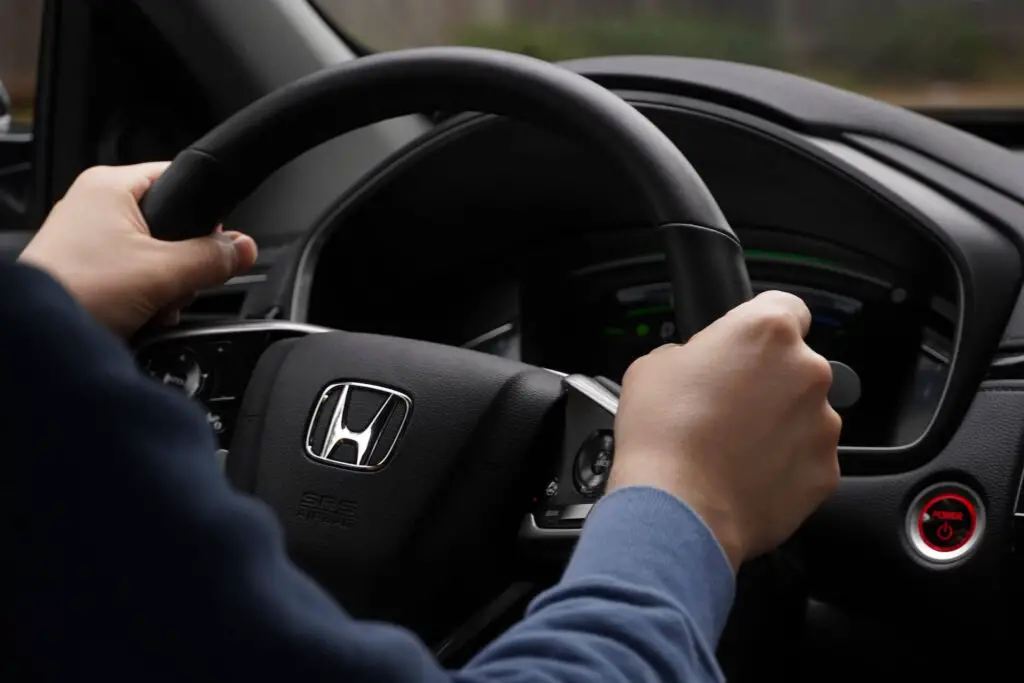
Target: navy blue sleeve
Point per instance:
(134, 558)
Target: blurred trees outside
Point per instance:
(947, 52)
(883, 46)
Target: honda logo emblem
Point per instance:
(357, 425)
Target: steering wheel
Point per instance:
(403, 470)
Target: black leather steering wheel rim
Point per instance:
(207, 180)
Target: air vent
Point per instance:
(224, 302)
(215, 305)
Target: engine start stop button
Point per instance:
(945, 522)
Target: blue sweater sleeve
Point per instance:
(134, 558)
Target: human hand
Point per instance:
(736, 423)
(96, 243)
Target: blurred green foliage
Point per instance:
(693, 37)
(943, 44)
(897, 47)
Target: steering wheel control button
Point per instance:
(180, 370)
(945, 522)
(576, 513)
(594, 463)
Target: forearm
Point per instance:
(130, 536)
(645, 598)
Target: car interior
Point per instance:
(492, 241)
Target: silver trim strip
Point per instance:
(15, 138)
(531, 532)
(245, 280)
(1008, 361)
(935, 354)
(491, 335)
(594, 391)
(232, 328)
(576, 513)
(1020, 498)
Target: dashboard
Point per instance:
(898, 335)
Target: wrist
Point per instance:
(722, 524)
(717, 515)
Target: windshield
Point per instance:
(918, 53)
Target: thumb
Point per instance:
(209, 261)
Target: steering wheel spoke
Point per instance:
(212, 364)
(577, 478)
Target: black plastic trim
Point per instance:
(809, 107)
(296, 279)
(858, 556)
(1004, 213)
(988, 267)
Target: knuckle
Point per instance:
(776, 324)
(94, 176)
(777, 296)
(784, 302)
(819, 372)
(635, 369)
(648, 364)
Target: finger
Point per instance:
(665, 347)
(205, 262)
(246, 249)
(134, 180)
(139, 178)
(131, 180)
(793, 306)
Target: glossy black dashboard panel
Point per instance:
(895, 329)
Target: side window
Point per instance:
(20, 29)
